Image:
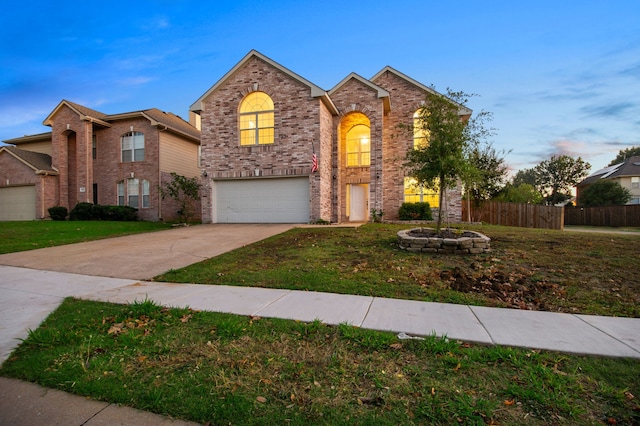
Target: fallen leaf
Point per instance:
(261, 399)
(509, 401)
(396, 346)
(457, 367)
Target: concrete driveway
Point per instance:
(144, 256)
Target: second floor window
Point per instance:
(132, 147)
(256, 120)
(420, 135)
(359, 146)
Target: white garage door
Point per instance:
(18, 203)
(277, 200)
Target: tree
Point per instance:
(186, 191)
(489, 173)
(444, 160)
(558, 175)
(527, 176)
(624, 154)
(604, 193)
(524, 193)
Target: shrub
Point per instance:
(82, 211)
(122, 213)
(415, 211)
(88, 211)
(58, 213)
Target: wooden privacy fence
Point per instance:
(603, 216)
(513, 214)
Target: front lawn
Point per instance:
(29, 235)
(575, 272)
(227, 369)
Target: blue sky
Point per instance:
(560, 77)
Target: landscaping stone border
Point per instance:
(475, 244)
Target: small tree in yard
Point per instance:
(445, 159)
(186, 191)
(604, 193)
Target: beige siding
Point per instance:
(178, 155)
(41, 147)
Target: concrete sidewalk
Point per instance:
(28, 296)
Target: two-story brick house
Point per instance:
(265, 128)
(89, 156)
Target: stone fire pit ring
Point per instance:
(453, 241)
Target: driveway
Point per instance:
(143, 256)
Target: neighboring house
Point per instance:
(627, 174)
(264, 129)
(89, 156)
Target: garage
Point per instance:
(266, 200)
(18, 203)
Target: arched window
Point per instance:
(420, 134)
(256, 119)
(132, 147)
(359, 146)
(134, 193)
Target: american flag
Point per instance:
(314, 163)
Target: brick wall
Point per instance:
(352, 99)
(297, 130)
(406, 99)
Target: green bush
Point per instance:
(415, 211)
(122, 213)
(82, 211)
(88, 211)
(58, 213)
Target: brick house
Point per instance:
(627, 174)
(89, 156)
(262, 126)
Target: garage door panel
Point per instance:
(262, 201)
(18, 203)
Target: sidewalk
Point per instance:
(27, 296)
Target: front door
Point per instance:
(358, 203)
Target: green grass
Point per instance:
(230, 369)
(575, 272)
(25, 235)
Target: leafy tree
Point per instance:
(604, 193)
(527, 176)
(186, 191)
(489, 173)
(444, 160)
(558, 175)
(524, 193)
(624, 154)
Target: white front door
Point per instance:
(358, 203)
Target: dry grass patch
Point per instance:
(230, 369)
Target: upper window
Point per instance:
(359, 146)
(420, 135)
(133, 193)
(635, 182)
(256, 119)
(132, 147)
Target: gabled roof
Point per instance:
(315, 91)
(40, 163)
(380, 91)
(40, 137)
(464, 111)
(160, 119)
(629, 167)
(84, 113)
